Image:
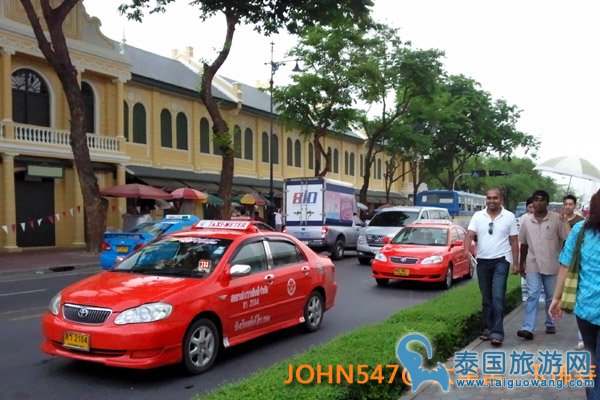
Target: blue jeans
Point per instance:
(492, 276)
(535, 282)
(591, 340)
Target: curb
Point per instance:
(50, 269)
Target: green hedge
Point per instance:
(450, 321)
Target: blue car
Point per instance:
(118, 245)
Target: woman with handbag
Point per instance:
(580, 260)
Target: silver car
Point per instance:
(388, 222)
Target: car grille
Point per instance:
(85, 315)
(404, 260)
(375, 240)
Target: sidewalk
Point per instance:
(564, 340)
(47, 260)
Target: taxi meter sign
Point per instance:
(224, 224)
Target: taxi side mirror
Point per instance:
(457, 243)
(240, 270)
(386, 240)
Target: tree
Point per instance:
(466, 123)
(395, 77)
(267, 17)
(55, 50)
(320, 100)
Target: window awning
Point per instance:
(163, 183)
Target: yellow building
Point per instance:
(146, 122)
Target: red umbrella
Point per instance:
(189, 194)
(135, 190)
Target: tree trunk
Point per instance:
(320, 151)
(57, 54)
(369, 158)
(220, 128)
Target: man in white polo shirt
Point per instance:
(497, 248)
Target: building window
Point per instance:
(346, 161)
(139, 123)
(248, 148)
(362, 165)
(88, 107)
(336, 161)
(275, 148)
(265, 147)
(31, 98)
(204, 136)
(351, 164)
(166, 130)
(126, 120)
(290, 153)
(297, 154)
(237, 142)
(379, 168)
(311, 157)
(182, 131)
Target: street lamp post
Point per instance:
(274, 67)
(456, 179)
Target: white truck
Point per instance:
(322, 213)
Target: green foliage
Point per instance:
(450, 321)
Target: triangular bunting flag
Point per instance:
(22, 226)
(71, 211)
(5, 228)
(139, 209)
(113, 208)
(78, 208)
(64, 213)
(14, 227)
(57, 216)
(120, 210)
(39, 221)
(31, 224)
(51, 219)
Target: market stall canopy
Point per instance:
(137, 191)
(189, 194)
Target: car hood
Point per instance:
(409, 250)
(120, 291)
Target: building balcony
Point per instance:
(42, 141)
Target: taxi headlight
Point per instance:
(433, 259)
(55, 304)
(379, 256)
(146, 313)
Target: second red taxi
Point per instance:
(427, 251)
(186, 296)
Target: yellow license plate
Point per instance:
(401, 271)
(79, 341)
(122, 249)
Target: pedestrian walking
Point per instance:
(541, 236)
(497, 248)
(568, 213)
(278, 220)
(587, 301)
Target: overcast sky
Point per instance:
(540, 55)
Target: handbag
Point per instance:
(569, 294)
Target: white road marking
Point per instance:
(18, 293)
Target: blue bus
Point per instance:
(458, 204)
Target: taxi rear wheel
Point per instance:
(200, 346)
(338, 249)
(313, 312)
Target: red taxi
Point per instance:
(427, 251)
(186, 296)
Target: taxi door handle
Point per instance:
(305, 269)
(270, 278)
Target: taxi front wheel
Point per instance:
(313, 312)
(200, 346)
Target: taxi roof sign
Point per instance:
(224, 224)
(178, 216)
(434, 221)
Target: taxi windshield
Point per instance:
(181, 256)
(153, 228)
(422, 236)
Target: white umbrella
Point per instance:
(571, 166)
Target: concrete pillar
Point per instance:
(78, 216)
(10, 208)
(6, 91)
